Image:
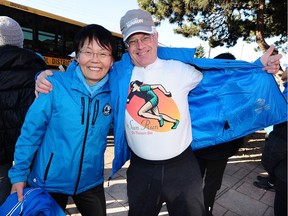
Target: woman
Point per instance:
(63, 138)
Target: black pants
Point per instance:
(213, 171)
(5, 185)
(280, 201)
(177, 182)
(89, 203)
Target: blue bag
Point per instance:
(36, 202)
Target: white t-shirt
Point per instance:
(157, 119)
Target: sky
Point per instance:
(109, 12)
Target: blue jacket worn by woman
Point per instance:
(67, 131)
(235, 98)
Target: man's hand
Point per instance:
(271, 62)
(42, 85)
(18, 187)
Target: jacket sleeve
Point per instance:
(258, 62)
(32, 132)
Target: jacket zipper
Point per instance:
(95, 112)
(48, 166)
(83, 109)
(84, 144)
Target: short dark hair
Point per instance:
(226, 55)
(95, 32)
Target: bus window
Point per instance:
(48, 34)
(50, 43)
(28, 37)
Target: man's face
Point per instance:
(143, 48)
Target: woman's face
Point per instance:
(94, 61)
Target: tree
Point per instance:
(224, 22)
(200, 51)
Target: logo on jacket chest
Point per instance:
(107, 109)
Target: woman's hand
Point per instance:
(19, 187)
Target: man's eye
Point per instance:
(146, 39)
(133, 42)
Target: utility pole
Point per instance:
(242, 51)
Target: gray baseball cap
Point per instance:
(136, 20)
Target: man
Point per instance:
(213, 160)
(18, 68)
(162, 167)
(274, 161)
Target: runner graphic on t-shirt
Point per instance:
(150, 108)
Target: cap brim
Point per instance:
(138, 30)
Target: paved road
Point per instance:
(237, 196)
